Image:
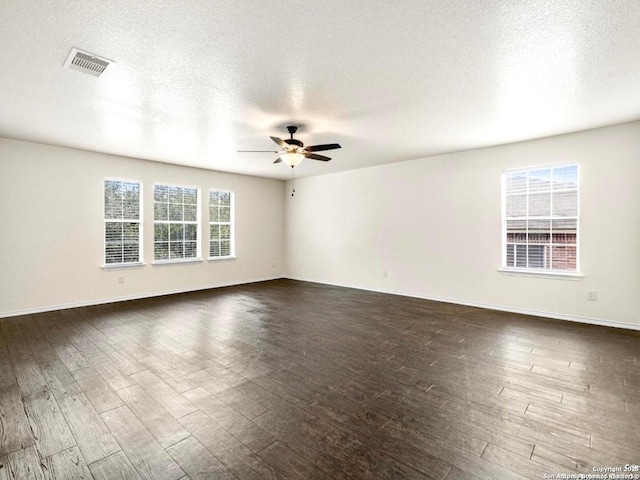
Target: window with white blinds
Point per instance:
(540, 219)
(220, 224)
(176, 226)
(122, 213)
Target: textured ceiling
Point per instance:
(196, 80)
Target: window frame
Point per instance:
(168, 222)
(230, 223)
(139, 221)
(543, 272)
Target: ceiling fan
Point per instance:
(294, 150)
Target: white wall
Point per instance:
(434, 225)
(52, 229)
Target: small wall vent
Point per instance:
(86, 62)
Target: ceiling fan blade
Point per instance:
(320, 148)
(256, 151)
(278, 160)
(281, 143)
(313, 156)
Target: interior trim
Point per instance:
(489, 306)
(102, 301)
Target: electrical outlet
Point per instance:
(592, 295)
(385, 274)
(273, 265)
(120, 279)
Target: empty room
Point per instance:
(319, 240)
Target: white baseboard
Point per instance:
(490, 306)
(102, 301)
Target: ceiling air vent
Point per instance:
(86, 62)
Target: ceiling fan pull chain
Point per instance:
(293, 185)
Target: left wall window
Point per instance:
(122, 232)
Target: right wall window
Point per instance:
(221, 241)
(540, 219)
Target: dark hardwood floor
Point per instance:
(294, 380)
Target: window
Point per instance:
(176, 227)
(540, 220)
(220, 224)
(122, 233)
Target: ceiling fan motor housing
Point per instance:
(293, 141)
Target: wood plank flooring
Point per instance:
(294, 380)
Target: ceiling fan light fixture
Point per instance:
(292, 159)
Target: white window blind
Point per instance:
(176, 223)
(220, 224)
(540, 220)
(122, 237)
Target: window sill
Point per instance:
(560, 275)
(118, 266)
(177, 261)
(217, 259)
